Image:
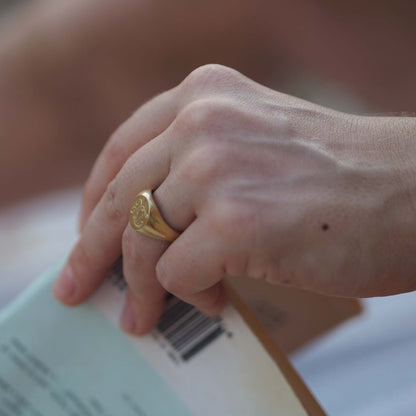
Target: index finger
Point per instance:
(148, 122)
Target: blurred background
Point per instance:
(71, 72)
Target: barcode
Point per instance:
(186, 329)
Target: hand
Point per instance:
(260, 184)
(57, 82)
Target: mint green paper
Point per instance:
(58, 361)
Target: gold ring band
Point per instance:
(146, 219)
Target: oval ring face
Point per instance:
(139, 212)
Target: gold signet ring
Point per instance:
(146, 219)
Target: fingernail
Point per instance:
(128, 319)
(65, 285)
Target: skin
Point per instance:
(72, 72)
(260, 184)
(57, 106)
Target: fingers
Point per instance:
(141, 254)
(210, 301)
(145, 300)
(139, 317)
(192, 268)
(148, 122)
(100, 243)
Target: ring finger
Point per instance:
(145, 300)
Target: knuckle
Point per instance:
(112, 204)
(114, 151)
(203, 166)
(81, 260)
(205, 115)
(166, 278)
(161, 273)
(168, 284)
(208, 76)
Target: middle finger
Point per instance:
(100, 243)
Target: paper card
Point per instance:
(64, 361)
